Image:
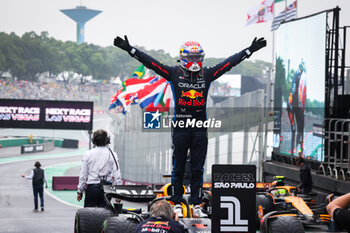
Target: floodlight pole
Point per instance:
(267, 104)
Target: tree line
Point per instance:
(28, 56)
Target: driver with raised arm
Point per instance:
(190, 83)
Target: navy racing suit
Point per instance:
(160, 225)
(190, 91)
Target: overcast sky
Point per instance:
(157, 24)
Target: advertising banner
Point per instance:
(46, 114)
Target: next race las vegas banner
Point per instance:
(46, 114)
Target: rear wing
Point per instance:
(132, 193)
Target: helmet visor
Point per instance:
(193, 57)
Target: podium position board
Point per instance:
(234, 198)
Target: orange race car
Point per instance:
(280, 207)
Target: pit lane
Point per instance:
(16, 198)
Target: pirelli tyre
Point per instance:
(266, 203)
(119, 224)
(90, 220)
(285, 224)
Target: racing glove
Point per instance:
(255, 46)
(124, 45)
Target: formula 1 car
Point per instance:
(280, 208)
(116, 219)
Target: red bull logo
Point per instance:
(154, 226)
(191, 102)
(157, 223)
(194, 49)
(192, 94)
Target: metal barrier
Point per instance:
(39, 147)
(336, 163)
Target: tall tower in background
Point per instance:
(81, 15)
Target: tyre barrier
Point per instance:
(70, 143)
(37, 144)
(40, 147)
(19, 141)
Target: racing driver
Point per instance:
(190, 83)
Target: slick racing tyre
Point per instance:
(90, 220)
(285, 224)
(119, 224)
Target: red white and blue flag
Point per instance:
(125, 96)
(149, 93)
(162, 101)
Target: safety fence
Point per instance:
(337, 150)
(19, 141)
(145, 156)
(40, 147)
(37, 144)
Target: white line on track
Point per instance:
(64, 202)
(56, 198)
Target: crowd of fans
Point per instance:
(99, 92)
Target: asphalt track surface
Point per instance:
(16, 197)
(16, 202)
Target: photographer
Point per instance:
(100, 165)
(162, 219)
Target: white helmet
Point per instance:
(191, 56)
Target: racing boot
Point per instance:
(178, 210)
(198, 212)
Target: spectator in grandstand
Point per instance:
(55, 90)
(339, 211)
(162, 219)
(38, 178)
(305, 185)
(100, 166)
